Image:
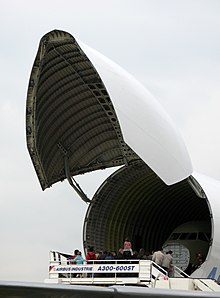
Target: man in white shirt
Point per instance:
(168, 262)
(158, 257)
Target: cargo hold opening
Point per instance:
(135, 202)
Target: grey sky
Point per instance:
(172, 47)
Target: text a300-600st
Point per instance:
(97, 268)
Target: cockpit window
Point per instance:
(208, 235)
(174, 236)
(188, 236)
(203, 237)
(183, 236)
(192, 236)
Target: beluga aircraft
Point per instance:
(85, 113)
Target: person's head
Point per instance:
(76, 251)
(79, 253)
(170, 252)
(91, 249)
(135, 254)
(114, 254)
(142, 251)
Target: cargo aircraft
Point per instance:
(85, 113)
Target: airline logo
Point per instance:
(213, 274)
(50, 268)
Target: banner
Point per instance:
(96, 268)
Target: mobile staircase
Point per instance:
(122, 272)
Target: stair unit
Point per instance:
(123, 272)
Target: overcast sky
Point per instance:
(172, 47)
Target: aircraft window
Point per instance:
(208, 236)
(183, 236)
(189, 236)
(174, 236)
(202, 237)
(192, 236)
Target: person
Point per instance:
(114, 254)
(127, 255)
(158, 256)
(141, 255)
(127, 244)
(167, 262)
(135, 255)
(78, 260)
(70, 261)
(101, 256)
(73, 256)
(199, 261)
(127, 247)
(148, 255)
(109, 256)
(91, 255)
(120, 253)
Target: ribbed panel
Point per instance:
(69, 107)
(134, 202)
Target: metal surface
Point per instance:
(13, 289)
(69, 114)
(84, 109)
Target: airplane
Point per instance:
(85, 113)
(187, 240)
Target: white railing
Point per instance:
(179, 273)
(122, 272)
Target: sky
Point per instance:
(172, 47)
